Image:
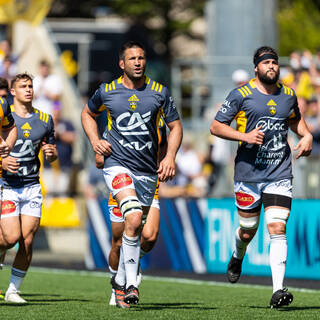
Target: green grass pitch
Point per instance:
(59, 294)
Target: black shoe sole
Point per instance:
(131, 299)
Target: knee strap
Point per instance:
(129, 205)
(249, 223)
(277, 215)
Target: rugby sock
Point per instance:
(16, 279)
(131, 250)
(241, 246)
(121, 272)
(112, 272)
(278, 259)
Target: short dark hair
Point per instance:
(4, 84)
(21, 76)
(263, 49)
(128, 45)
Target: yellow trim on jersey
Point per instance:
(110, 87)
(287, 90)
(241, 121)
(101, 108)
(156, 193)
(1, 100)
(119, 80)
(42, 115)
(1, 117)
(109, 120)
(112, 201)
(251, 83)
(156, 86)
(147, 80)
(245, 91)
(293, 115)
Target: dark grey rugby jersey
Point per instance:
(133, 122)
(250, 108)
(31, 132)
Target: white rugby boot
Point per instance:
(13, 296)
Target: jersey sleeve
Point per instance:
(294, 113)
(95, 103)
(7, 120)
(230, 108)
(50, 137)
(170, 112)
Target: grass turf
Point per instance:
(83, 295)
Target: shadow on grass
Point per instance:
(170, 306)
(287, 309)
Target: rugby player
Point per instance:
(151, 222)
(134, 104)
(22, 198)
(8, 130)
(264, 110)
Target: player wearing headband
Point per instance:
(264, 110)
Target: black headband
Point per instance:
(265, 57)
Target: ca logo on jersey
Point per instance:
(133, 102)
(26, 130)
(272, 107)
(135, 125)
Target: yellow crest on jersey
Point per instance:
(133, 102)
(26, 130)
(272, 107)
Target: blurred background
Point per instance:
(200, 50)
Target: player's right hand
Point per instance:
(4, 148)
(10, 164)
(102, 147)
(255, 136)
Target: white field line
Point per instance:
(161, 279)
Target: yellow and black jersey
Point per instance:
(252, 109)
(133, 122)
(6, 119)
(31, 132)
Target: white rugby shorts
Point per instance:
(248, 194)
(26, 201)
(120, 178)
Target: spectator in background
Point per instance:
(4, 88)
(8, 69)
(240, 77)
(57, 178)
(47, 88)
(189, 169)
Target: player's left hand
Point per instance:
(49, 151)
(4, 148)
(304, 146)
(167, 169)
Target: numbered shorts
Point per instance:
(27, 201)
(249, 195)
(119, 178)
(115, 213)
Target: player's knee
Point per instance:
(150, 235)
(130, 205)
(276, 219)
(247, 235)
(11, 239)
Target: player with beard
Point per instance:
(264, 110)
